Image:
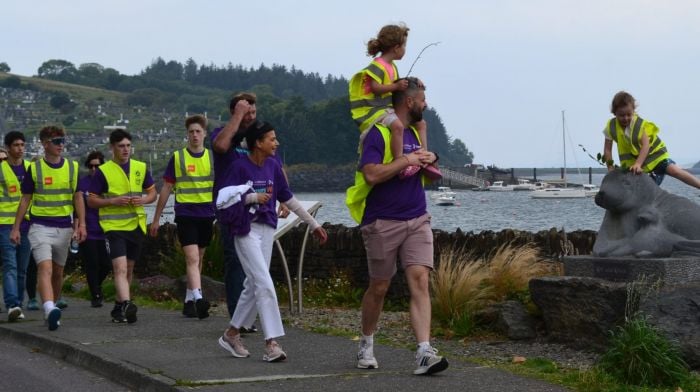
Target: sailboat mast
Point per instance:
(563, 139)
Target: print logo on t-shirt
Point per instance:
(48, 180)
(262, 186)
(190, 168)
(409, 148)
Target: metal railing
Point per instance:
(461, 178)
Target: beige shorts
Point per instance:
(50, 243)
(385, 240)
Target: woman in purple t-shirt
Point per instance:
(253, 241)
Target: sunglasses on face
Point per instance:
(57, 141)
(93, 166)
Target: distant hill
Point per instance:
(310, 112)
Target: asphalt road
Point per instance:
(27, 369)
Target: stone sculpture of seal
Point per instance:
(643, 220)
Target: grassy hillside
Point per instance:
(28, 108)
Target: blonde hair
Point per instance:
(388, 37)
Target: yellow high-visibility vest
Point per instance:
(53, 188)
(628, 147)
(129, 217)
(356, 195)
(366, 106)
(11, 193)
(194, 177)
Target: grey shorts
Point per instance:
(50, 243)
(410, 241)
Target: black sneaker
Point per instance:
(96, 301)
(118, 313)
(130, 312)
(189, 310)
(252, 329)
(202, 307)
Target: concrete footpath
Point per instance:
(164, 351)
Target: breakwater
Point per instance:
(344, 252)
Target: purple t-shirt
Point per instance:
(92, 218)
(394, 199)
(196, 210)
(98, 185)
(20, 172)
(28, 188)
(223, 162)
(267, 178)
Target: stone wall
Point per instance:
(344, 251)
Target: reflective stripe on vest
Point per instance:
(628, 148)
(53, 188)
(129, 217)
(198, 186)
(11, 192)
(356, 195)
(365, 106)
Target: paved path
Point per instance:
(164, 351)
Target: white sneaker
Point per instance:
(274, 353)
(14, 313)
(429, 362)
(233, 345)
(365, 357)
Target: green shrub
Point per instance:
(213, 265)
(640, 355)
(336, 291)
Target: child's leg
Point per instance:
(423, 133)
(678, 172)
(397, 138)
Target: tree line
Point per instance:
(311, 113)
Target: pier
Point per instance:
(452, 177)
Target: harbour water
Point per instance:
(479, 211)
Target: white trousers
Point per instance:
(258, 296)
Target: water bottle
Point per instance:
(74, 246)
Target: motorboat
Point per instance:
(446, 200)
(442, 190)
(444, 196)
(500, 186)
(541, 185)
(524, 185)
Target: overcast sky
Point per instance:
(502, 74)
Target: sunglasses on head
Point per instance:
(57, 141)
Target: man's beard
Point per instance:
(415, 114)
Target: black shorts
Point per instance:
(194, 231)
(124, 243)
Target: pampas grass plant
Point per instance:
(458, 289)
(512, 267)
(462, 284)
